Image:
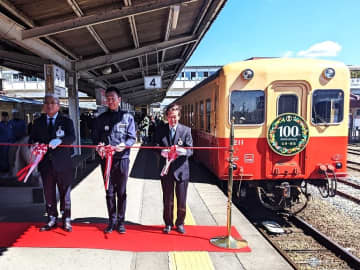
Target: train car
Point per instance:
(290, 126)
(25, 107)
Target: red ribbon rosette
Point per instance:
(172, 155)
(37, 155)
(108, 152)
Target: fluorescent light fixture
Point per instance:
(107, 70)
(175, 16)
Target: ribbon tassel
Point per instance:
(108, 152)
(37, 155)
(172, 155)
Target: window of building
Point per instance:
(327, 106)
(31, 79)
(19, 77)
(208, 115)
(201, 115)
(248, 107)
(355, 74)
(7, 77)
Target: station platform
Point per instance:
(206, 207)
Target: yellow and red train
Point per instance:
(290, 125)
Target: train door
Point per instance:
(286, 97)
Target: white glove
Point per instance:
(181, 151)
(165, 153)
(120, 147)
(55, 143)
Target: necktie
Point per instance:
(172, 134)
(50, 126)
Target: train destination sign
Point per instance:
(288, 134)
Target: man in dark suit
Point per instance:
(178, 176)
(56, 167)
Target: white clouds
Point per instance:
(288, 54)
(326, 48)
(323, 49)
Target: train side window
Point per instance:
(287, 104)
(201, 114)
(208, 114)
(185, 115)
(327, 106)
(248, 107)
(196, 115)
(191, 115)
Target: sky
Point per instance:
(282, 28)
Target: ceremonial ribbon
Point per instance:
(108, 152)
(104, 151)
(37, 155)
(172, 155)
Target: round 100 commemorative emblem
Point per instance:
(288, 134)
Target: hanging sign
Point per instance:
(288, 134)
(55, 80)
(152, 82)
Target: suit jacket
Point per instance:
(59, 158)
(179, 168)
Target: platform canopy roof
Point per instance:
(107, 42)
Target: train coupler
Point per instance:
(330, 186)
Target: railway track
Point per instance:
(303, 246)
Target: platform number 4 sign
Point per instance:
(152, 82)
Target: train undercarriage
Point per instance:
(289, 196)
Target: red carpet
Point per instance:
(137, 238)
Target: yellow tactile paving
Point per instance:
(185, 260)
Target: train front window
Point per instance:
(287, 104)
(248, 107)
(327, 106)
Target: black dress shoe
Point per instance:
(67, 225)
(50, 225)
(121, 228)
(180, 229)
(109, 228)
(167, 229)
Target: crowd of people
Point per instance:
(11, 131)
(147, 127)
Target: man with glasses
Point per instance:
(56, 167)
(116, 128)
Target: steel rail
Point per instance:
(348, 183)
(349, 258)
(348, 196)
(353, 152)
(279, 249)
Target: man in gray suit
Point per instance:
(178, 175)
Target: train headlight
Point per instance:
(329, 73)
(247, 74)
(338, 165)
